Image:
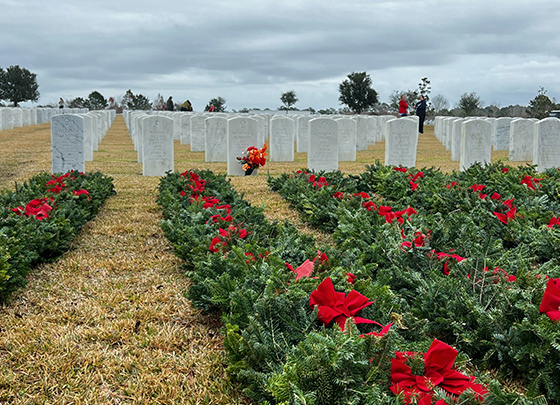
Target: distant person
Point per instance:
(212, 108)
(169, 104)
(421, 113)
(186, 106)
(61, 103)
(403, 106)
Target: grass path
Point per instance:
(108, 322)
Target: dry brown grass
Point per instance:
(108, 322)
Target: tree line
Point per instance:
(357, 96)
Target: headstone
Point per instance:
(17, 117)
(493, 122)
(242, 132)
(138, 125)
(40, 116)
(401, 142)
(88, 137)
(322, 148)
(216, 139)
(198, 133)
(302, 133)
(456, 139)
(67, 143)
(282, 133)
(25, 117)
(501, 129)
(185, 129)
(157, 145)
(347, 128)
(261, 126)
(449, 132)
(361, 132)
(96, 130)
(176, 125)
(547, 144)
(521, 140)
(476, 143)
(371, 129)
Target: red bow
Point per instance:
(550, 303)
(334, 305)
(438, 372)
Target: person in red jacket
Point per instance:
(212, 108)
(403, 106)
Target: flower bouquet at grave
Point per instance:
(252, 159)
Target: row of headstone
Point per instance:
(226, 137)
(192, 129)
(471, 140)
(74, 138)
(16, 117)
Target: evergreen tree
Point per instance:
(469, 104)
(96, 101)
(18, 84)
(289, 98)
(425, 88)
(128, 100)
(78, 102)
(541, 105)
(219, 103)
(140, 102)
(356, 92)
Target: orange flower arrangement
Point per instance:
(253, 158)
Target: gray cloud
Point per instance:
(251, 51)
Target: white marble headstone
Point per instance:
(242, 132)
(361, 132)
(322, 148)
(17, 117)
(25, 117)
(157, 145)
(521, 140)
(185, 129)
(216, 139)
(67, 143)
(347, 129)
(401, 142)
(547, 144)
(88, 137)
(371, 130)
(476, 143)
(302, 133)
(282, 134)
(262, 127)
(501, 130)
(176, 125)
(456, 128)
(198, 133)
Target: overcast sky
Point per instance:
(250, 52)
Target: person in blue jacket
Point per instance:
(421, 113)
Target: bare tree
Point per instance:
(440, 103)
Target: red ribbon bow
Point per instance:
(438, 372)
(550, 303)
(334, 305)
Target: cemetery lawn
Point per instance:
(108, 322)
